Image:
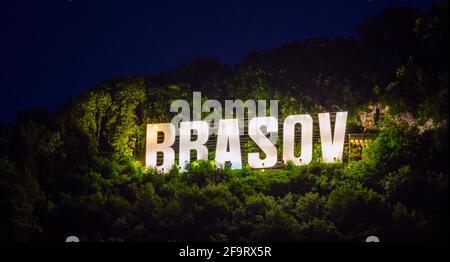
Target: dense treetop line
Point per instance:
(79, 170)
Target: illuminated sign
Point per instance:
(262, 130)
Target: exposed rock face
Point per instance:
(430, 124)
(406, 119)
(409, 121)
(369, 118)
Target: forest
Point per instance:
(80, 170)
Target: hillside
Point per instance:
(80, 170)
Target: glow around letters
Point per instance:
(228, 141)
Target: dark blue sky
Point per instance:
(53, 49)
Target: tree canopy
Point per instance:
(80, 170)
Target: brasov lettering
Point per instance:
(261, 129)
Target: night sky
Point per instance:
(53, 49)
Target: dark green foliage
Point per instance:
(123, 201)
(79, 170)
